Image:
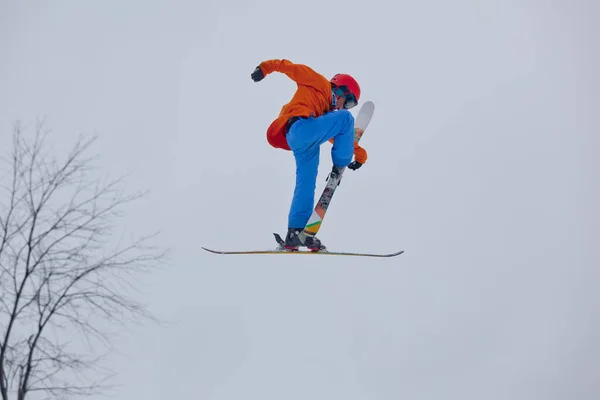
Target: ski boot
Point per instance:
(312, 243)
(335, 172)
(296, 238)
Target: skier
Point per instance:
(317, 113)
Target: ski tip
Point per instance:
(396, 253)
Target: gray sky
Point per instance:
(482, 167)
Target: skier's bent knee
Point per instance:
(347, 116)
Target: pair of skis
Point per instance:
(314, 223)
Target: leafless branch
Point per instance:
(61, 271)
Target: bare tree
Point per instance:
(63, 275)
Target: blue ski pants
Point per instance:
(305, 138)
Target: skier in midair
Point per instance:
(317, 113)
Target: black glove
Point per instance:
(354, 165)
(257, 75)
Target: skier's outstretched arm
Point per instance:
(299, 73)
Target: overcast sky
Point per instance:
(482, 166)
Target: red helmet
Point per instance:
(348, 81)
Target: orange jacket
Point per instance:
(313, 98)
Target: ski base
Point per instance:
(305, 252)
(281, 250)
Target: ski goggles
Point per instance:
(345, 93)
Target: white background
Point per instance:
(482, 167)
